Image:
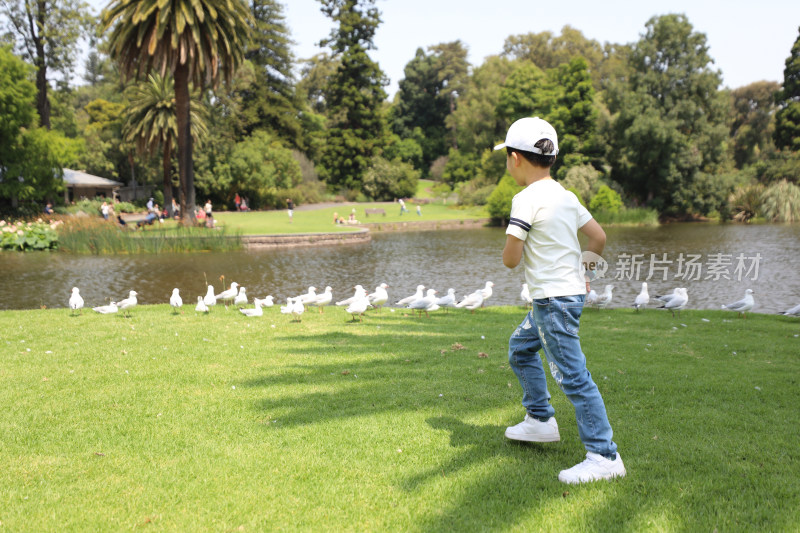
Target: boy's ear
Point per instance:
(516, 159)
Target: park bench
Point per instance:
(374, 211)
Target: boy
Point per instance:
(542, 232)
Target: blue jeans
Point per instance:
(553, 324)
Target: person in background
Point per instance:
(237, 200)
(150, 205)
(335, 217)
(209, 214)
(104, 210)
(243, 205)
(290, 207)
(402, 206)
(176, 209)
(48, 209)
(419, 210)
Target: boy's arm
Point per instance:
(512, 253)
(597, 237)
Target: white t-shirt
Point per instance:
(547, 217)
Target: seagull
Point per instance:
(794, 311)
(604, 299)
(525, 294)
(210, 299)
(241, 298)
(229, 294)
(201, 306)
(128, 303)
(472, 302)
(379, 297)
(360, 292)
(486, 291)
(678, 302)
(591, 298)
(308, 297)
(75, 301)
(323, 299)
(667, 297)
(264, 302)
(642, 299)
(424, 303)
(743, 305)
(297, 309)
(106, 309)
(287, 309)
(448, 300)
(256, 311)
(175, 300)
(358, 306)
(416, 296)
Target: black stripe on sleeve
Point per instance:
(520, 223)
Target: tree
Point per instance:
(47, 34)
(260, 166)
(669, 119)
(454, 75)
(753, 108)
(151, 123)
(387, 180)
(197, 41)
(787, 120)
(524, 94)
(354, 95)
(499, 202)
(271, 101)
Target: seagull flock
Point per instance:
(422, 301)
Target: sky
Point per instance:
(748, 41)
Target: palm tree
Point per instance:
(151, 122)
(196, 41)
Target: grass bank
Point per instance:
(321, 220)
(220, 423)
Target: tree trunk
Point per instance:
(167, 169)
(42, 102)
(185, 165)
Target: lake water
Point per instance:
(715, 262)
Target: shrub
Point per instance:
(584, 179)
(24, 236)
(781, 202)
(499, 201)
(575, 191)
(607, 200)
(745, 202)
(460, 167)
(387, 180)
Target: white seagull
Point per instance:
(525, 294)
(287, 309)
(209, 298)
(379, 297)
(743, 305)
(175, 300)
(604, 299)
(360, 293)
(486, 291)
(297, 309)
(678, 302)
(228, 295)
(794, 311)
(128, 303)
(472, 302)
(264, 302)
(256, 311)
(241, 298)
(201, 306)
(358, 307)
(75, 301)
(107, 309)
(448, 300)
(642, 299)
(591, 298)
(308, 297)
(323, 299)
(416, 296)
(667, 297)
(424, 303)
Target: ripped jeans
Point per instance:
(553, 324)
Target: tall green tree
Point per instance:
(271, 102)
(354, 95)
(787, 120)
(47, 33)
(454, 76)
(669, 129)
(151, 123)
(752, 125)
(197, 41)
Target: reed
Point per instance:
(95, 236)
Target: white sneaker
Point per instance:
(531, 430)
(594, 467)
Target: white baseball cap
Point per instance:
(526, 132)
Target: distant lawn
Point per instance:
(182, 422)
(321, 220)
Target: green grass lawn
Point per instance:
(321, 220)
(224, 423)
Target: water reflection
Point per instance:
(462, 259)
